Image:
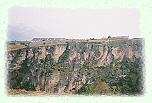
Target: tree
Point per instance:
(109, 37)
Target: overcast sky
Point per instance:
(27, 23)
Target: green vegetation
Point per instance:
(137, 45)
(98, 87)
(86, 89)
(49, 65)
(65, 55)
(126, 76)
(132, 83)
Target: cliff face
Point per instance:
(103, 67)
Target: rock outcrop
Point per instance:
(67, 68)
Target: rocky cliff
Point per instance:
(111, 67)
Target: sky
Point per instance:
(26, 23)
